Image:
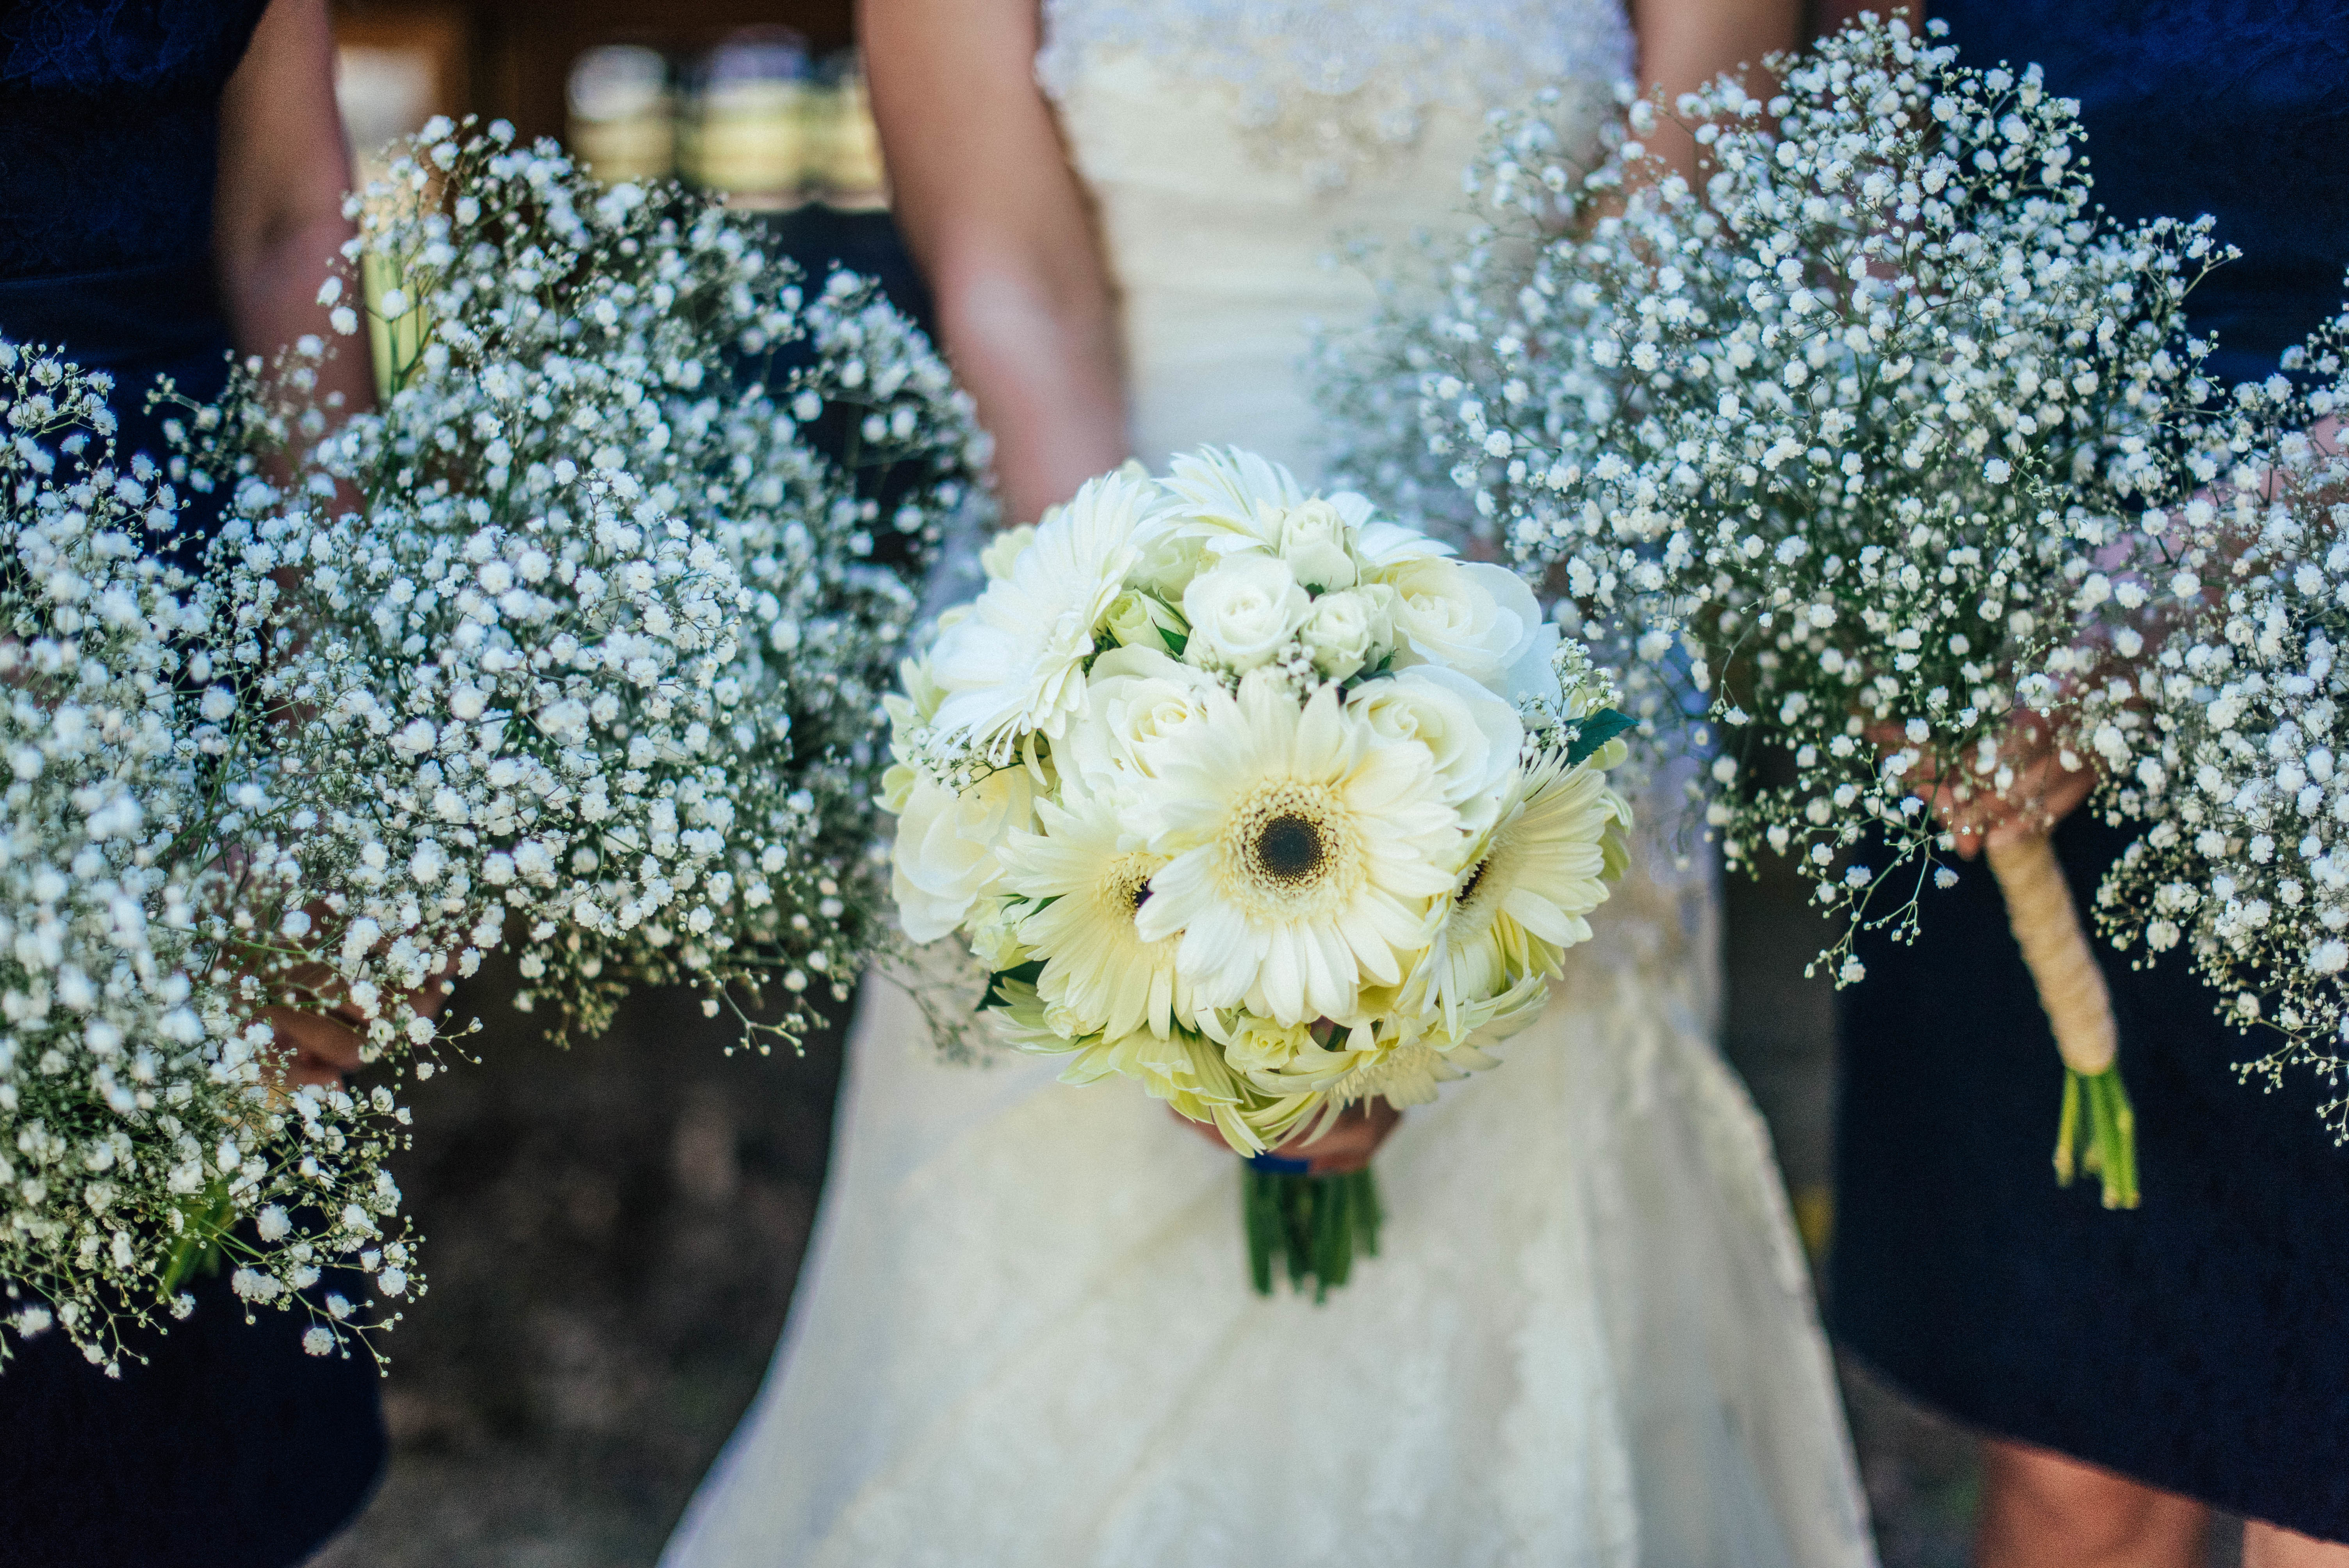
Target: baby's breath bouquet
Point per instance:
(152, 900)
(1260, 801)
(1853, 421)
(2228, 742)
(594, 611)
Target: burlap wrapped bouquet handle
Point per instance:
(2079, 1009)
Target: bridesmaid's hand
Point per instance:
(1346, 1148)
(2043, 793)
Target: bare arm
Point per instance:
(277, 219)
(1686, 44)
(277, 222)
(1000, 225)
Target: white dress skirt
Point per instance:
(1024, 1333)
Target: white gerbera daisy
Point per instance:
(1016, 663)
(1088, 884)
(1544, 866)
(1305, 849)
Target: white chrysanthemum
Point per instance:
(1526, 891)
(1090, 880)
(1234, 499)
(1305, 849)
(1016, 663)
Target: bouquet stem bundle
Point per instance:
(2079, 1010)
(1315, 1224)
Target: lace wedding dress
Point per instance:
(1024, 1335)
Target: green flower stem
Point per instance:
(2097, 1105)
(1315, 1223)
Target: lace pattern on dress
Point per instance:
(1332, 87)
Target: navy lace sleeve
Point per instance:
(109, 130)
(2235, 109)
(229, 1447)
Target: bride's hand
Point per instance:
(1346, 1148)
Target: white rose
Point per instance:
(1315, 541)
(1535, 674)
(1135, 699)
(945, 856)
(1349, 629)
(1477, 619)
(1258, 1045)
(1243, 611)
(1139, 619)
(995, 560)
(995, 936)
(1473, 736)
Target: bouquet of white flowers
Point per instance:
(2224, 744)
(1257, 800)
(595, 611)
(1856, 424)
(146, 892)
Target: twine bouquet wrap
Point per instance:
(1259, 801)
(155, 883)
(595, 610)
(2225, 738)
(1853, 423)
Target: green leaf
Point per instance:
(1027, 974)
(1176, 641)
(1594, 731)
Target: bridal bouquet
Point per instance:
(594, 611)
(2224, 745)
(1856, 425)
(152, 908)
(1259, 801)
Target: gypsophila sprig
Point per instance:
(1258, 800)
(603, 650)
(143, 1132)
(1852, 421)
(2227, 743)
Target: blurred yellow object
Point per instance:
(745, 134)
(1815, 1217)
(847, 146)
(623, 121)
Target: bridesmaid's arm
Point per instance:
(1686, 44)
(277, 220)
(999, 224)
(277, 224)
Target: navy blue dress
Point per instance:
(231, 1447)
(2201, 1342)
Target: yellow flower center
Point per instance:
(1124, 886)
(1291, 848)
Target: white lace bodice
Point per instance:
(1330, 85)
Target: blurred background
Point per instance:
(613, 1229)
